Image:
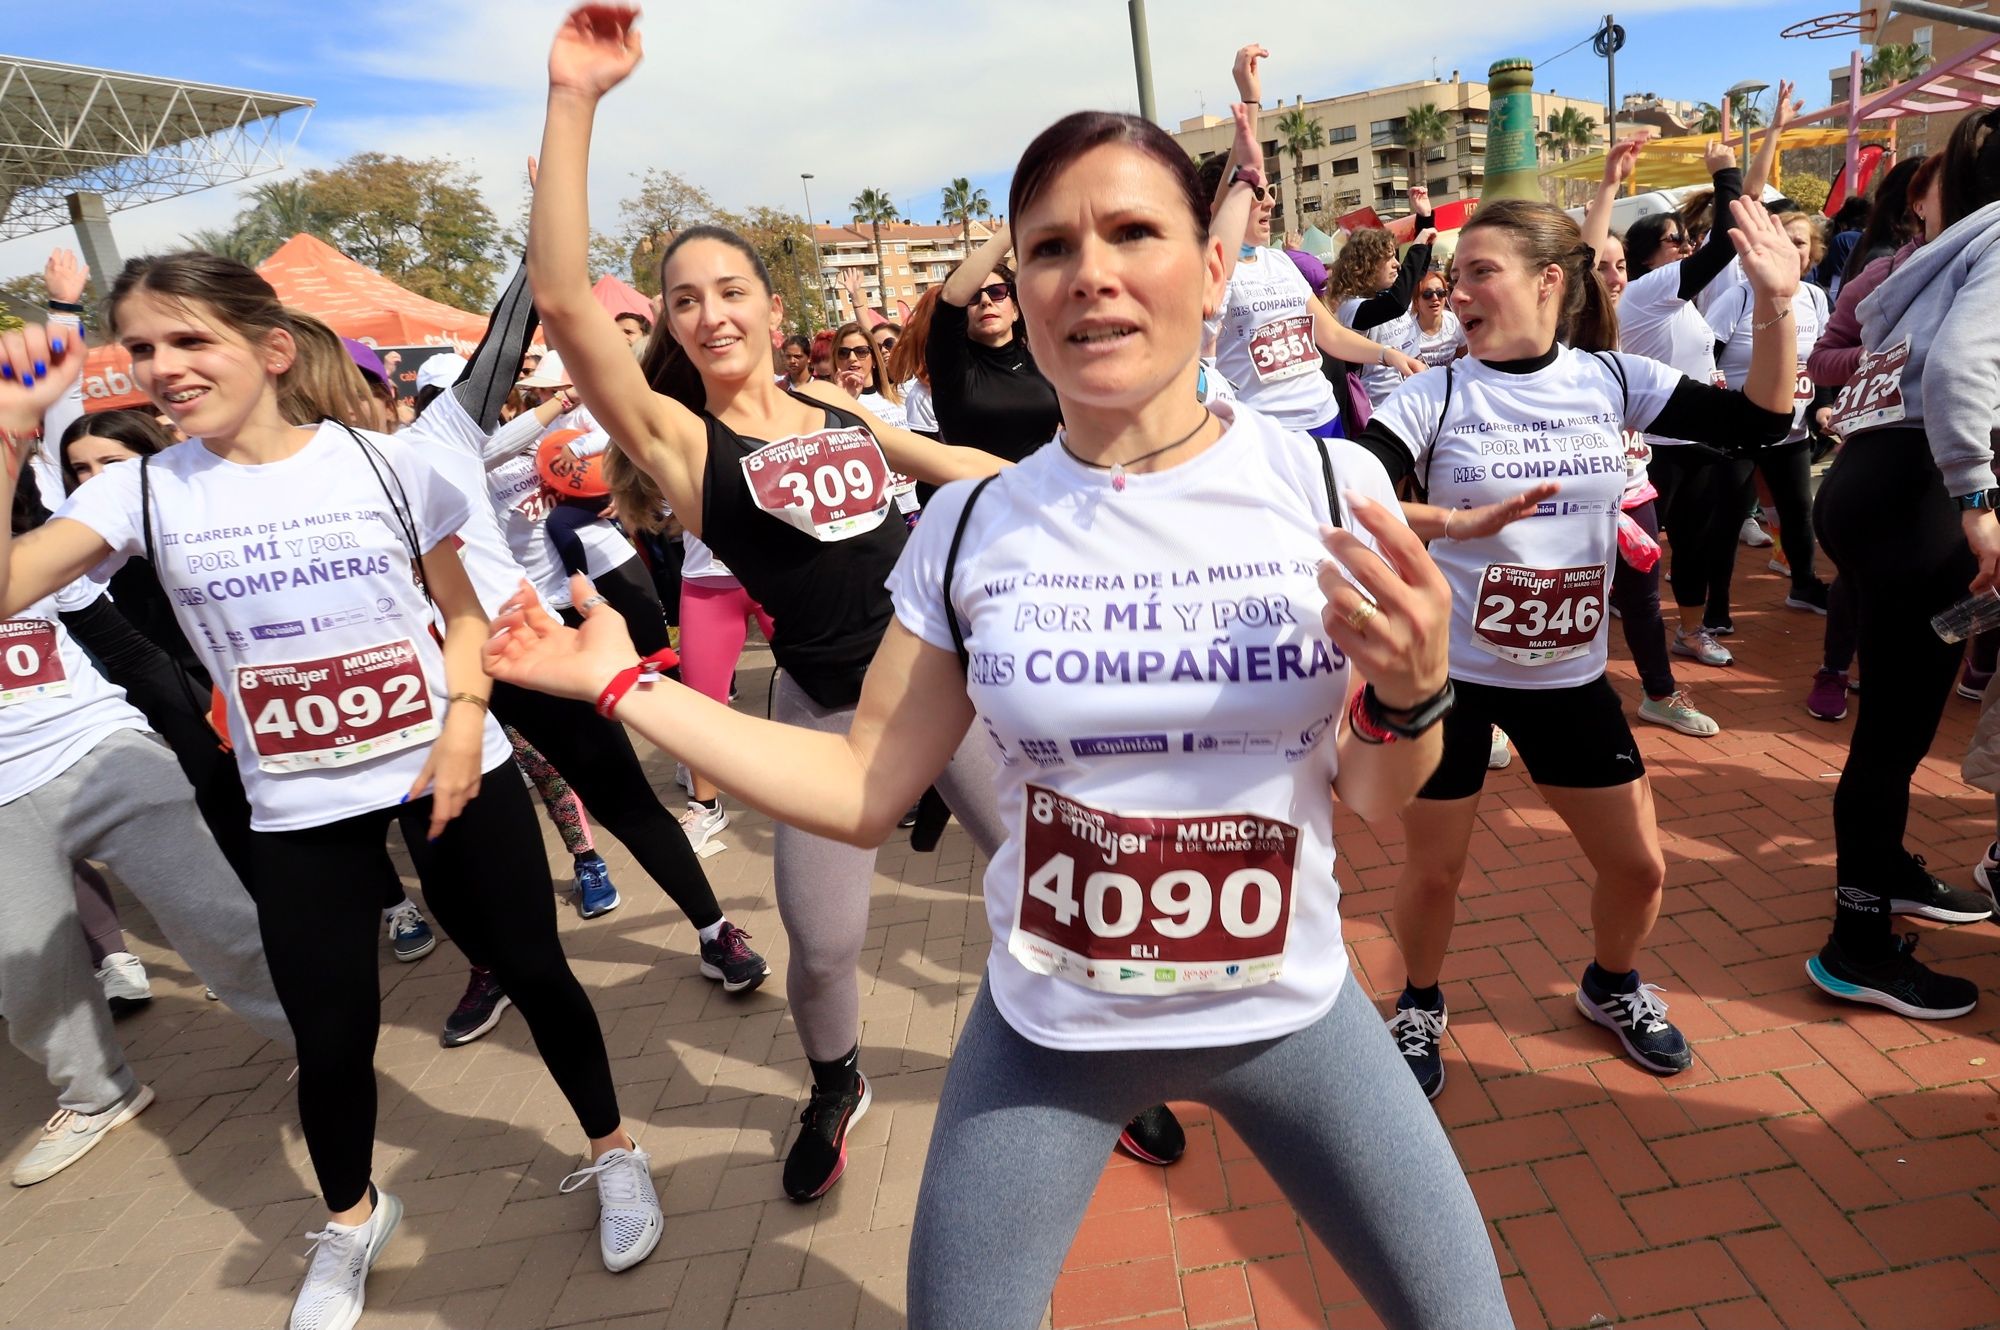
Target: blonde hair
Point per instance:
(640, 502)
(323, 382)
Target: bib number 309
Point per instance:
(1152, 903)
(336, 710)
(830, 485)
(1536, 616)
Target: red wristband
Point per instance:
(1365, 729)
(645, 673)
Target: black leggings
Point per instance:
(1697, 488)
(318, 893)
(595, 756)
(1637, 598)
(1884, 517)
(628, 588)
(1787, 472)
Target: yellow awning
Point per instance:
(1672, 163)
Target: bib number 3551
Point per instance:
(1536, 616)
(336, 710)
(1152, 903)
(1284, 349)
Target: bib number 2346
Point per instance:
(1536, 616)
(1152, 903)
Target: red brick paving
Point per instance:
(1818, 1167)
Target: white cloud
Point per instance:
(742, 96)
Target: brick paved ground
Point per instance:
(1818, 1167)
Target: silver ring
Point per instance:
(591, 604)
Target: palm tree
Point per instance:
(962, 203)
(1707, 118)
(875, 207)
(233, 243)
(1298, 134)
(279, 210)
(1893, 64)
(1426, 126)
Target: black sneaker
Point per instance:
(1929, 898)
(1899, 981)
(1811, 596)
(1727, 628)
(1154, 1137)
(1419, 1033)
(730, 960)
(477, 1012)
(819, 1155)
(1639, 1019)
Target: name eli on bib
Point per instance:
(831, 485)
(1152, 903)
(1874, 396)
(1537, 616)
(337, 710)
(31, 666)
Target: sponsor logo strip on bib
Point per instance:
(1152, 903)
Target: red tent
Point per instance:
(621, 297)
(312, 275)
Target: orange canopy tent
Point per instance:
(311, 275)
(621, 297)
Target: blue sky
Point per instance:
(896, 94)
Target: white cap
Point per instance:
(549, 374)
(440, 371)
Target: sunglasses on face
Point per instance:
(1432, 293)
(887, 344)
(998, 293)
(852, 353)
(1678, 239)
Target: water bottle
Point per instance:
(1635, 546)
(1970, 617)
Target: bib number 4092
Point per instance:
(337, 710)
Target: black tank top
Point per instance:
(828, 600)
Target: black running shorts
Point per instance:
(1573, 737)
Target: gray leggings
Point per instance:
(125, 803)
(1023, 1132)
(823, 885)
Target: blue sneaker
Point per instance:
(594, 893)
(409, 936)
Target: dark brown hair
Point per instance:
(128, 427)
(1360, 259)
(667, 366)
(1971, 173)
(240, 299)
(876, 364)
(1077, 133)
(1544, 234)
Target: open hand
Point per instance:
(595, 49)
(1402, 364)
(1402, 647)
(451, 773)
(1770, 260)
(37, 366)
(1623, 159)
(1249, 80)
(65, 276)
(532, 648)
(1472, 523)
(1786, 110)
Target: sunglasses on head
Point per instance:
(852, 353)
(997, 293)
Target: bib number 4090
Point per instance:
(1180, 903)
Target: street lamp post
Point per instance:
(812, 232)
(1142, 56)
(1747, 89)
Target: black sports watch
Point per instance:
(1986, 499)
(1411, 723)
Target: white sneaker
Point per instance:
(682, 778)
(1986, 874)
(702, 823)
(1702, 646)
(628, 1216)
(1753, 535)
(1500, 755)
(69, 1136)
(124, 980)
(333, 1293)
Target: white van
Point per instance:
(1626, 211)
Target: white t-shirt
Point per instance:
(293, 580)
(1440, 348)
(1400, 333)
(1527, 603)
(918, 412)
(1153, 651)
(888, 412)
(1265, 345)
(54, 705)
(451, 441)
(700, 563)
(1653, 321)
(1731, 319)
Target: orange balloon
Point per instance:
(564, 472)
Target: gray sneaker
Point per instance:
(1701, 645)
(69, 1136)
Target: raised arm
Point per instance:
(1782, 116)
(1716, 251)
(1232, 213)
(1244, 151)
(1619, 164)
(969, 276)
(593, 52)
(37, 366)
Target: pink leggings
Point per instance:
(713, 627)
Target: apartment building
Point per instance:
(916, 258)
(1367, 157)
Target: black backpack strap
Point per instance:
(1617, 369)
(1332, 490)
(1437, 430)
(146, 509)
(951, 571)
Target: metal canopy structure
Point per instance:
(127, 138)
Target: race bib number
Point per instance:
(336, 710)
(1803, 387)
(30, 664)
(830, 485)
(1874, 396)
(1152, 903)
(1537, 616)
(1284, 349)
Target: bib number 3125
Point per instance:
(336, 710)
(1152, 903)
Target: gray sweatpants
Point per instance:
(1331, 1111)
(823, 885)
(127, 805)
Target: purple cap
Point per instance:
(1309, 268)
(366, 359)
